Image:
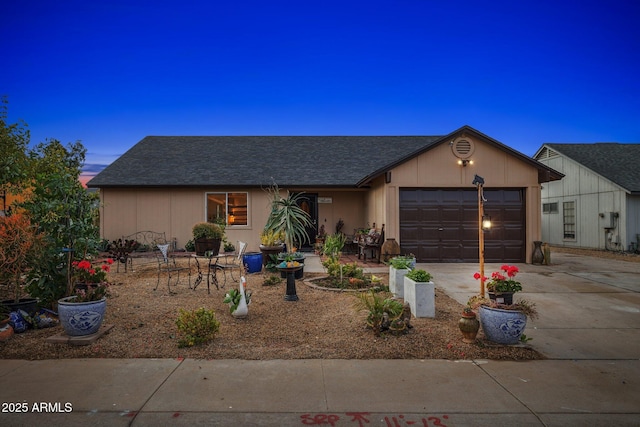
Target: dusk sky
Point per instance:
(523, 72)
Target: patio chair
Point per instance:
(371, 242)
(167, 264)
(231, 262)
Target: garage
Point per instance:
(441, 225)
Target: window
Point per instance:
(230, 208)
(550, 207)
(569, 219)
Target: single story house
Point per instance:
(597, 204)
(419, 187)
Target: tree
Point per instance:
(19, 244)
(14, 142)
(64, 211)
(55, 202)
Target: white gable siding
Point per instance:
(594, 196)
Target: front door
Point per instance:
(309, 204)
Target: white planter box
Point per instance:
(421, 297)
(396, 281)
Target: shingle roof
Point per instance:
(229, 161)
(615, 162)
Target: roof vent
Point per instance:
(462, 147)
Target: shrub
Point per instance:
(196, 326)
(401, 262)
(379, 309)
(207, 230)
(419, 275)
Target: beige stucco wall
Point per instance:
(175, 211)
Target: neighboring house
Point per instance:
(420, 187)
(597, 204)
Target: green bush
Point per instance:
(207, 230)
(196, 326)
(419, 275)
(401, 262)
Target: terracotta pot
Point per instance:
(469, 326)
(6, 330)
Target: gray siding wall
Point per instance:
(595, 198)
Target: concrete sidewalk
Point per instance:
(588, 327)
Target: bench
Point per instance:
(139, 246)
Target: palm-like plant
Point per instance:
(378, 309)
(288, 217)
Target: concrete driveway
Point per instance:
(589, 307)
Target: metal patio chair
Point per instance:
(231, 262)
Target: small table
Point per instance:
(211, 271)
(291, 281)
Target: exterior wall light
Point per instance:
(465, 162)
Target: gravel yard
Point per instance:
(321, 325)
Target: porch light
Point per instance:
(232, 219)
(486, 222)
(465, 162)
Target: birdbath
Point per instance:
(291, 281)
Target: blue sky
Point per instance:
(523, 72)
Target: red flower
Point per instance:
(503, 283)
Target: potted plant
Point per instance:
(271, 243)
(322, 234)
(399, 266)
(502, 285)
(288, 218)
(207, 236)
(419, 292)
(502, 320)
(503, 323)
(19, 244)
(82, 313)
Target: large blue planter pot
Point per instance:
(81, 318)
(502, 326)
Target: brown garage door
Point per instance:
(441, 225)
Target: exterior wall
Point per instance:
(438, 168)
(376, 206)
(348, 205)
(595, 197)
(633, 222)
(175, 211)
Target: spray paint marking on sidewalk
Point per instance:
(362, 418)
